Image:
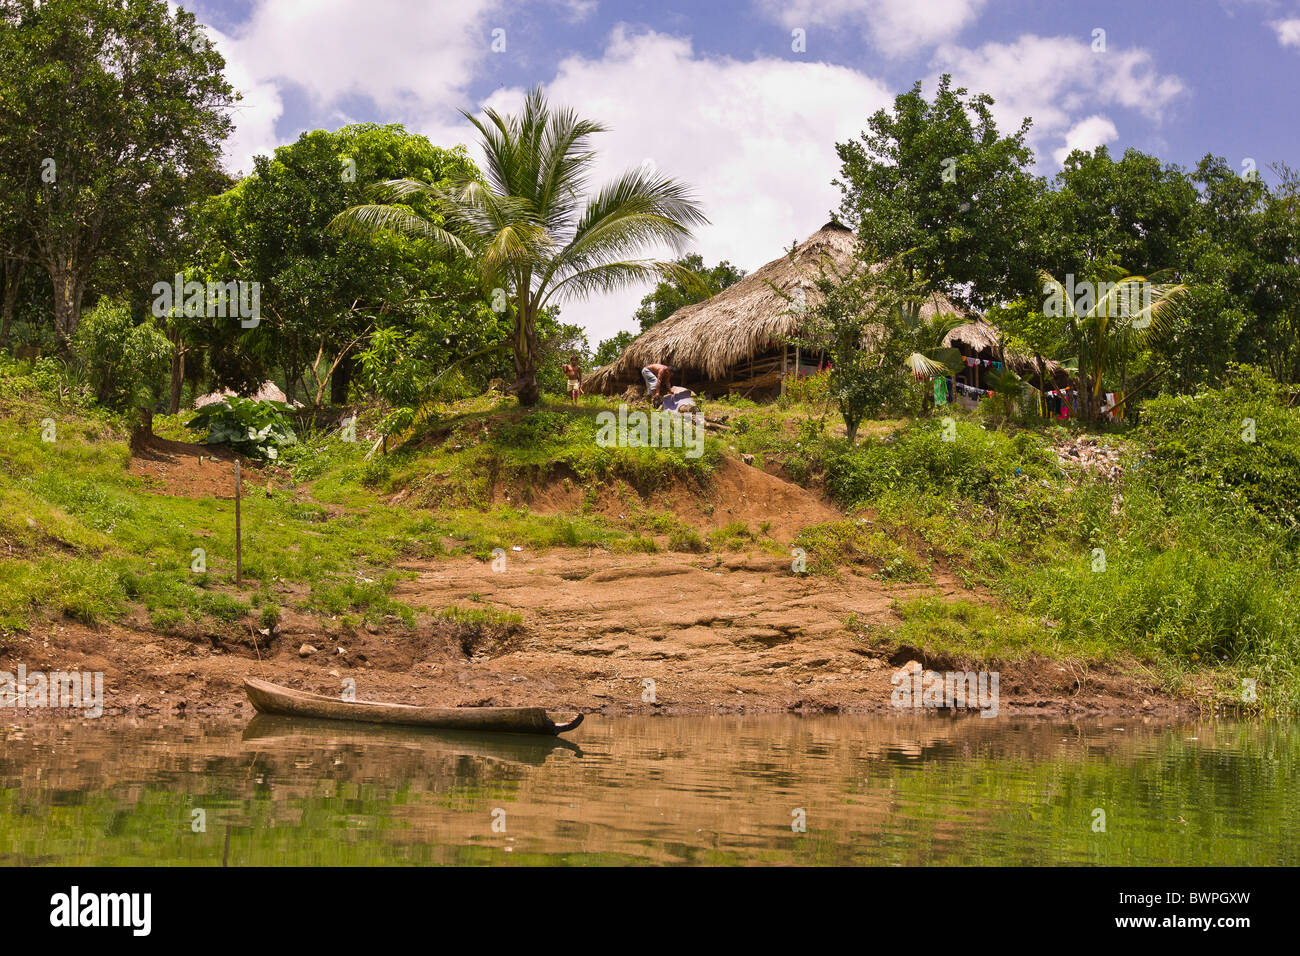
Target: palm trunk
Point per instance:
(525, 342)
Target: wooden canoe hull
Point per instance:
(270, 698)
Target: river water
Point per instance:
(698, 790)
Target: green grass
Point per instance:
(855, 543)
(1202, 555)
(81, 536)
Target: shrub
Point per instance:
(127, 363)
(978, 465)
(1236, 447)
(253, 428)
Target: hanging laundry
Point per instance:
(940, 391)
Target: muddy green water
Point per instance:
(653, 790)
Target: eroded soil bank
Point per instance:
(584, 630)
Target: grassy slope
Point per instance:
(1197, 592)
(81, 536)
(1182, 564)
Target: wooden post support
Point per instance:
(239, 550)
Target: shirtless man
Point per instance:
(573, 372)
(658, 379)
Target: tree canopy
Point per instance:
(112, 117)
(322, 292)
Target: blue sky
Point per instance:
(717, 94)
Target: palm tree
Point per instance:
(534, 237)
(1124, 311)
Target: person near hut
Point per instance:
(680, 399)
(573, 372)
(658, 381)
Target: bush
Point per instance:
(812, 391)
(977, 465)
(1235, 447)
(127, 363)
(252, 428)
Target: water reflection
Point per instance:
(652, 790)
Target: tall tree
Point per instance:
(109, 115)
(1137, 212)
(323, 293)
(937, 184)
(535, 238)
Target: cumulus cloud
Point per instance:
(895, 27)
(1288, 31)
(402, 61)
(1053, 79)
(260, 108)
(1086, 134)
(755, 138)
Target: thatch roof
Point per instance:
(975, 336)
(979, 335)
(711, 338)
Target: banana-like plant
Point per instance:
(535, 234)
(1110, 321)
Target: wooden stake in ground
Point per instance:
(239, 546)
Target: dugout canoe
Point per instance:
(273, 734)
(271, 698)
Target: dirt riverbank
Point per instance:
(618, 634)
(574, 629)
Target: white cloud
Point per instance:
(259, 109)
(1053, 79)
(1288, 31)
(895, 27)
(1086, 134)
(578, 10)
(405, 62)
(756, 139)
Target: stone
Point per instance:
(306, 651)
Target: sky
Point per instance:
(745, 100)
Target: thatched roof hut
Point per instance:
(735, 341)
